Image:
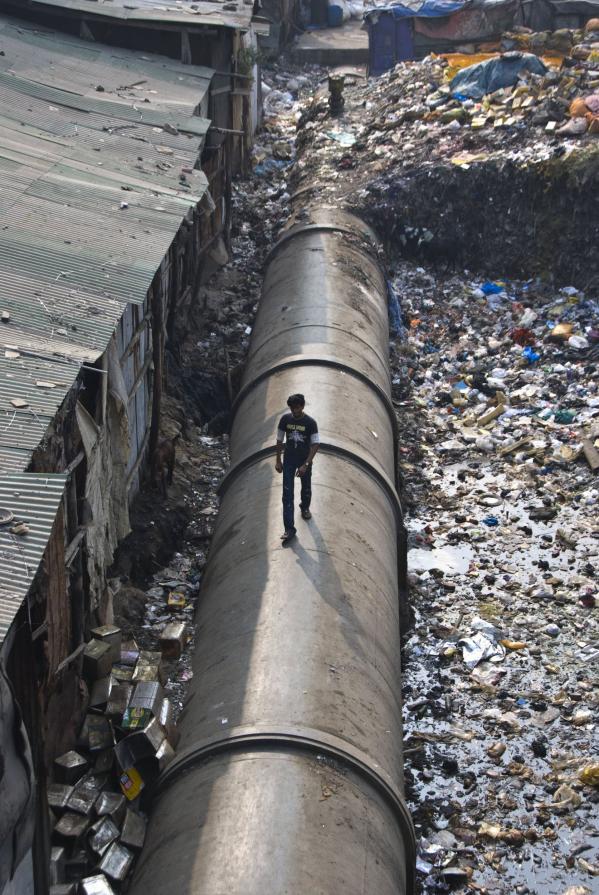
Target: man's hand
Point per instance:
(300, 472)
(278, 465)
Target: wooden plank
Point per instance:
(70, 658)
(73, 547)
(510, 448)
(75, 463)
(591, 453)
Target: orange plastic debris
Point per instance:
(578, 108)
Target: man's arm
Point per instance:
(314, 445)
(312, 454)
(280, 438)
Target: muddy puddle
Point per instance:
(450, 560)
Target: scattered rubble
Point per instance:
(418, 101)
(578, 44)
(136, 678)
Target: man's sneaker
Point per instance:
(306, 514)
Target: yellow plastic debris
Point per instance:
(513, 644)
(562, 331)
(131, 783)
(590, 774)
(457, 61)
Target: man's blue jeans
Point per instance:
(289, 468)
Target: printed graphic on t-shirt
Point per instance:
(296, 436)
(299, 434)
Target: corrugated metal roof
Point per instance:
(42, 385)
(59, 60)
(71, 257)
(33, 498)
(235, 14)
(62, 111)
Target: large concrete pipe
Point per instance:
(288, 780)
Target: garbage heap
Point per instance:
(127, 738)
(579, 44)
(498, 404)
(451, 173)
(518, 88)
(441, 102)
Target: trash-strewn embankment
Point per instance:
(498, 178)
(498, 405)
(497, 401)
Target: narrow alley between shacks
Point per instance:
(402, 697)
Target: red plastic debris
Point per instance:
(523, 336)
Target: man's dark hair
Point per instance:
(295, 400)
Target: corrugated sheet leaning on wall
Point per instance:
(289, 775)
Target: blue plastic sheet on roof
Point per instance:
(485, 77)
(427, 10)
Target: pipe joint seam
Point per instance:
(307, 741)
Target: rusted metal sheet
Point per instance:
(289, 774)
(60, 60)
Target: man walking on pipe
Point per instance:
(300, 433)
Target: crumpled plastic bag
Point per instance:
(578, 108)
(564, 797)
(277, 103)
(343, 137)
(480, 648)
(592, 103)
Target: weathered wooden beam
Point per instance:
(591, 453)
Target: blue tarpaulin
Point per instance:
(390, 30)
(485, 77)
(426, 10)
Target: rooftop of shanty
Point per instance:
(236, 14)
(98, 148)
(97, 155)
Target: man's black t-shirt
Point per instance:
(298, 434)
